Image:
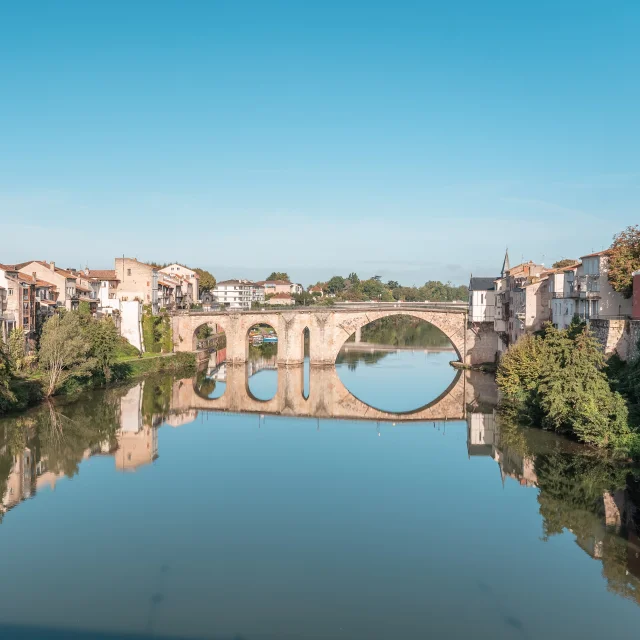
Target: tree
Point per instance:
(204, 332)
(353, 278)
(207, 282)
(6, 395)
(393, 284)
(17, 348)
(279, 275)
(64, 351)
(565, 262)
(104, 339)
(624, 259)
(305, 298)
(556, 380)
(336, 285)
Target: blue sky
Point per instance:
(413, 140)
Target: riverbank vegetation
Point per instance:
(353, 289)
(559, 380)
(75, 352)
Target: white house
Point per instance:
(234, 294)
(482, 299)
(594, 295)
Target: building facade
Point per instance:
(188, 274)
(482, 299)
(234, 294)
(137, 281)
(63, 279)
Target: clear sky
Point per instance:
(413, 140)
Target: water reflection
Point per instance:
(226, 488)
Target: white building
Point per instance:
(180, 270)
(234, 294)
(594, 295)
(482, 299)
(257, 292)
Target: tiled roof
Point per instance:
(8, 267)
(102, 274)
(275, 282)
(81, 287)
(62, 272)
(597, 253)
(281, 296)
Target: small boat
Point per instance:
(270, 339)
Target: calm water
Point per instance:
(134, 512)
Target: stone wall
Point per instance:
(617, 336)
(482, 343)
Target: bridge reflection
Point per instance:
(325, 396)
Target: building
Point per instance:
(482, 299)
(137, 281)
(272, 287)
(188, 274)
(257, 293)
(635, 300)
(593, 294)
(522, 301)
(107, 287)
(282, 299)
(3, 308)
(234, 294)
(13, 309)
(316, 291)
(63, 279)
(562, 300)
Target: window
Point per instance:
(128, 272)
(10, 292)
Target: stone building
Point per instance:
(137, 281)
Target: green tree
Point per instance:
(556, 380)
(336, 285)
(7, 397)
(17, 348)
(624, 259)
(207, 281)
(353, 279)
(565, 262)
(64, 351)
(104, 340)
(393, 284)
(304, 298)
(279, 275)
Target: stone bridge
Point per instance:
(327, 397)
(328, 330)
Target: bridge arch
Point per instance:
(449, 324)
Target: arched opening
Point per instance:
(212, 376)
(306, 372)
(262, 361)
(401, 363)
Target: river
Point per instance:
(138, 511)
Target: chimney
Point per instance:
(35, 277)
(52, 266)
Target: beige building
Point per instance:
(3, 309)
(189, 275)
(281, 299)
(64, 280)
(272, 287)
(105, 283)
(137, 281)
(522, 302)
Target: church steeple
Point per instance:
(506, 265)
